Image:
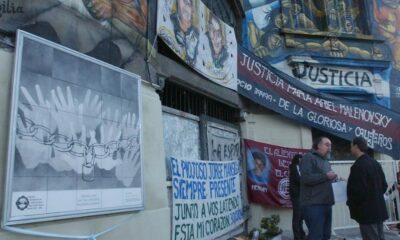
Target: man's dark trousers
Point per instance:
(318, 219)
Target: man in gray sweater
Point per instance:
(316, 193)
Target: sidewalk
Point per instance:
(354, 234)
(286, 235)
(347, 234)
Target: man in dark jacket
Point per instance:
(365, 188)
(316, 193)
(294, 191)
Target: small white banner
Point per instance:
(340, 191)
(206, 198)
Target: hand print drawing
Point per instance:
(69, 134)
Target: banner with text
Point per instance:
(281, 93)
(268, 173)
(206, 198)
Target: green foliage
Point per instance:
(270, 227)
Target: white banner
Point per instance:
(339, 191)
(199, 38)
(206, 198)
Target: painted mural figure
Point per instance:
(265, 44)
(185, 33)
(335, 48)
(345, 20)
(343, 16)
(332, 15)
(304, 14)
(299, 18)
(131, 12)
(216, 37)
(387, 15)
(264, 37)
(129, 17)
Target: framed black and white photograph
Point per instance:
(75, 136)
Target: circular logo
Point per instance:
(22, 203)
(283, 188)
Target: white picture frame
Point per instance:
(75, 137)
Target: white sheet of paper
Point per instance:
(339, 191)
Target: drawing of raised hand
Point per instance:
(68, 110)
(91, 105)
(130, 166)
(130, 125)
(110, 135)
(60, 102)
(107, 114)
(72, 137)
(33, 133)
(130, 155)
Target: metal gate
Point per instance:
(182, 133)
(341, 216)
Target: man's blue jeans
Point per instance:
(318, 220)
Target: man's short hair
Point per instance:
(361, 144)
(317, 141)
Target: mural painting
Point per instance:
(387, 20)
(301, 37)
(119, 32)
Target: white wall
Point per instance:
(265, 126)
(151, 223)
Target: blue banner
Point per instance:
(285, 95)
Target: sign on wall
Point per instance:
(75, 136)
(221, 140)
(199, 38)
(259, 82)
(323, 76)
(268, 173)
(206, 198)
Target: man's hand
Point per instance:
(331, 175)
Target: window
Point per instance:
(186, 100)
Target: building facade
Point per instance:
(192, 101)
